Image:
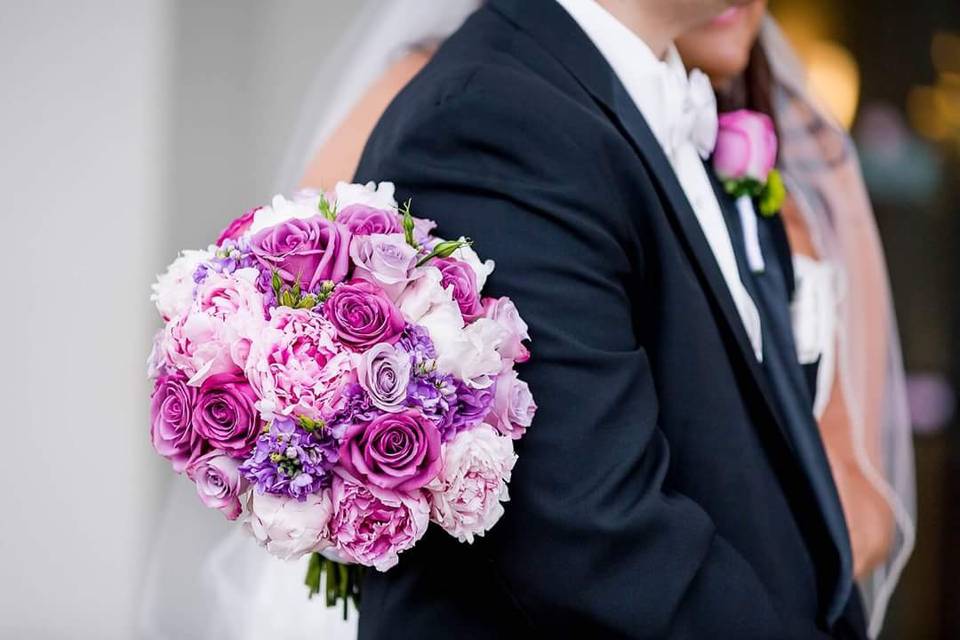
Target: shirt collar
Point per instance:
(648, 80)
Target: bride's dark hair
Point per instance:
(753, 89)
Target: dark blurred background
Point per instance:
(891, 71)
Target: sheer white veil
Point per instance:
(206, 578)
(820, 166)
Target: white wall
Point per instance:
(127, 128)
(82, 170)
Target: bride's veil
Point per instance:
(206, 578)
(821, 168)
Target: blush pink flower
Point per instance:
(289, 528)
(504, 313)
(214, 336)
(466, 498)
(372, 526)
(746, 146)
(296, 365)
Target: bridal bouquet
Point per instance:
(329, 375)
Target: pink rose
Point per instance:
(746, 146)
(398, 451)
(296, 364)
(226, 414)
(304, 250)
(461, 276)
(513, 406)
(504, 313)
(238, 227)
(171, 420)
(219, 483)
(363, 315)
(466, 497)
(363, 220)
(371, 526)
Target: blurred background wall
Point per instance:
(133, 128)
(129, 129)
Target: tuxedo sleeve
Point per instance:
(593, 538)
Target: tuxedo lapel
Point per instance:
(558, 33)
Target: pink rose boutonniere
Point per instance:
(745, 159)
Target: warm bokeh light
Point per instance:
(834, 78)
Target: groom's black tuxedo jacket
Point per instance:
(659, 492)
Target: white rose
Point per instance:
(173, 290)
(288, 528)
(281, 210)
(378, 196)
(480, 269)
(467, 496)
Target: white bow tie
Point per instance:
(691, 113)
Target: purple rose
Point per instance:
(363, 316)
(513, 406)
(171, 415)
(238, 227)
(225, 415)
(308, 250)
(399, 451)
(460, 276)
(218, 481)
(384, 372)
(385, 260)
(362, 220)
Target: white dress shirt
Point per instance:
(660, 90)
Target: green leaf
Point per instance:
(773, 195)
(327, 210)
(276, 283)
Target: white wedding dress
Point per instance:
(208, 579)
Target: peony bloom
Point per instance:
(504, 313)
(424, 295)
(304, 250)
(461, 278)
(384, 373)
(362, 220)
(513, 406)
(289, 528)
(399, 451)
(468, 353)
(377, 196)
(219, 483)
(238, 227)
(171, 420)
(296, 364)
(746, 146)
(385, 260)
(226, 414)
(214, 336)
(173, 290)
(466, 497)
(371, 526)
(363, 316)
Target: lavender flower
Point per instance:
(353, 406)
(471, 407)
(416, 341)
(230, 256)
(435, 395)
(292, 459)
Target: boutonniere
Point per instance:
(745, 157)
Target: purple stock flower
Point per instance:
(230, 256)
(292, 461)
(435, 395)
(416, 341)
(471, 407)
